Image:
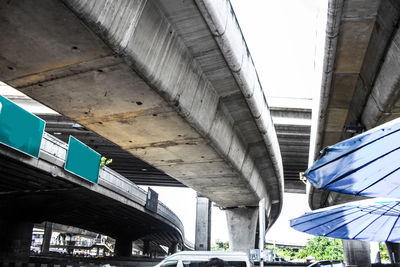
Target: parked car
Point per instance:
(200, 259)
(328, 263)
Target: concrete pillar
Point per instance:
(123, 247)
(203, 224)
(146, 247)
(173, 248)
(48, 231)
(356, 253)
(16, 239)
(393, 251)
(242, 224)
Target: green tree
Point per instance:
(286, 253)
(322, 248)
(220, 245)
(383, 251)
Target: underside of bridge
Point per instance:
(361, 75)
(170, 82)
(36, 190)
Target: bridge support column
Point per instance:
(146, 247)
(393, 251)
(16, 239)
(242, 224)
(123, 247)
(48, 231)
(173, 248)
(356, 253)
(203, 224)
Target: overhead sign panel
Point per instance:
(82, 160)
(19, 128)
(151, 200)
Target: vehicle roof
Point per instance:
(208, 253)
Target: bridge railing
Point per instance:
(55, 151)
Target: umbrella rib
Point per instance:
(357, 169)
(391, 230)
(351, 221)
(376, 219)
(378, 181)
(350, 152)
(332, 219)
(325, 216)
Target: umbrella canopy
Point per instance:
(367, 220)
(367, 164)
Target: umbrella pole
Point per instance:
(393, 251)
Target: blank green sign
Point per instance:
(19, 128)
(82, 160)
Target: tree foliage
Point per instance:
(383, 251)
(220, 245)
(322, 248)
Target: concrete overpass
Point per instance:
(35, 190)
(171, 82)
(360, 83)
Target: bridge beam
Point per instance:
(16, 238)
(242, 224)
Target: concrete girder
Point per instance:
(360, 74)
(140, 87)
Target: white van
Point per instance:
(200, 259)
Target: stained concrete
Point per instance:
(151, 77)
(241, 222)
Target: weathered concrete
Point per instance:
(242, 224)
(152, 77)
(203, 224)
(356, 253)
(16, 238)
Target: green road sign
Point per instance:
(19, 128)
(82, 160)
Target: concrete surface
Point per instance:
(155, 79)
(241, 222)
(361, 74)
(356, 253)
(203, 224)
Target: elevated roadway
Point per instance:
(360, 87)
(35, 190)
(171, 82)
(361, 73)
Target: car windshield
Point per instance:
(170, 263)
(187, 263)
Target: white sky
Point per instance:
(282, 37)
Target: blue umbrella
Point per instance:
(366, 220)
(367, 164)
